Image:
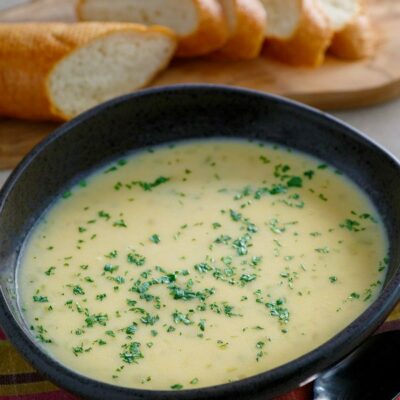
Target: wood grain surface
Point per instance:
(336, 85)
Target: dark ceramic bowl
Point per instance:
(168, 114)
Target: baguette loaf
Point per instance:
(297, 31)
(200, 24)
(54, 71)
(247, 23)
(356, 41)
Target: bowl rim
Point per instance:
(354, 333)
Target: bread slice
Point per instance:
(356, 41)
(247, 21)
(200, 24)
(54, 71)
(340, 13)
(297, 31)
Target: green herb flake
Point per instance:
(110, 268)
(67, 194)
(120, 224)
(323, 250)
(309, 174)
(40, 299)
(351, 225)
(77, 290)
(155, 238)
(104, 215)
(50, 271)
(131, 329)
(295, 181)
(131, 353)
(179, 317)
(176, 386)
(264, 159)
(354, 296)
(148, 186)
(245, 278)
(136, 258)
(235, 215)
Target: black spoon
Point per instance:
(372, 372)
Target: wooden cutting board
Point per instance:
(336, 85)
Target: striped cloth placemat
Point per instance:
(19, 381)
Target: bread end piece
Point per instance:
(78, 65)
(309, 41)
(356, 41)
(247, 21)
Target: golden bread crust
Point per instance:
(30, 51)
(309, 42)
(246, 40)
(211, 34)
(356, 41)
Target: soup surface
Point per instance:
(200, 263)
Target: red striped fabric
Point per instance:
(56, 395)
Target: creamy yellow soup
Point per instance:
(200, 263)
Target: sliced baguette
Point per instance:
(297, 31)
(247, 21)
(356, 41)
(200, 24)
(54, 71)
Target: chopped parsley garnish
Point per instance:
(67, 194)
(155, 238)
(235, 215)
(40, 299)
(148, 186)
(351, 225)
(323, 250)
(50, 271)
(202, 267)
(179, 317)
(295, 181)
(241, 245)
(202, 325)
(131, 353)
(354, 296)
(112, 254)
(278, 310)
(245, 278)
(309, 174)
(136, 258)
(120, 224)
(104, 215)
(110, 268)
(131, 329)
(100, 319)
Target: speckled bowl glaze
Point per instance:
(155, 116)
